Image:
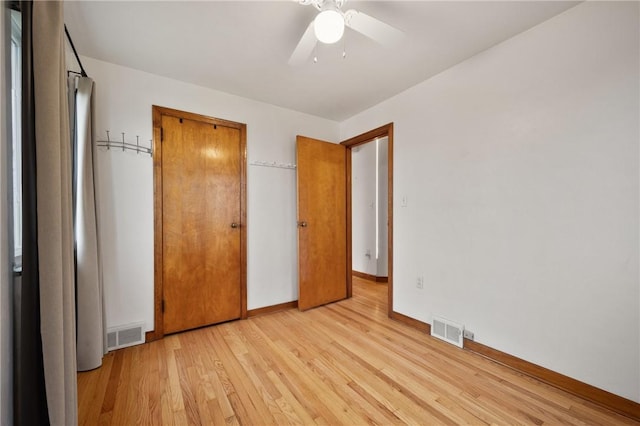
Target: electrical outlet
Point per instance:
(420, 283)
(468, 334)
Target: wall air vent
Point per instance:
(448, 331)
(125, 335)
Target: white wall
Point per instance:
(520, 168)
(363, 205)
(123, 100)
(383, 207)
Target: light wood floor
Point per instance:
(344, 363)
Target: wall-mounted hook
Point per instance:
(126, 145)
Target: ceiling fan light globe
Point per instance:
(329, 26)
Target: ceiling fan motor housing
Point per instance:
(329, 24)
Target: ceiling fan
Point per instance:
(328, 27)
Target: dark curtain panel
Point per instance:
(30, 402)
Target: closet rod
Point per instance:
(83, 72)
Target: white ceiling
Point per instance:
(243, 47)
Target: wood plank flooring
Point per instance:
(344, 363)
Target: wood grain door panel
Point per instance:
(201, 200)
(322, 229)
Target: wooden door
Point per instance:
(201, 223)
(322, 227)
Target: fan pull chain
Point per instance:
(315, 54)
(344, 47)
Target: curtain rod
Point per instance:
(83, 72)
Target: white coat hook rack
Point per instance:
(126, 146)
(273, 164)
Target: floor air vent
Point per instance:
(126, 335)
(448, 331)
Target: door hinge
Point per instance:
(162, 306)
(161, 134)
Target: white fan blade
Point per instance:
(376, 30)
(304, 48)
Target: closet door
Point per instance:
(202, 268)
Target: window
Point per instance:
(16, 129)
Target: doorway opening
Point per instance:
(370, 208)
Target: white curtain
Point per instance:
(91, 325)
(54, 214)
